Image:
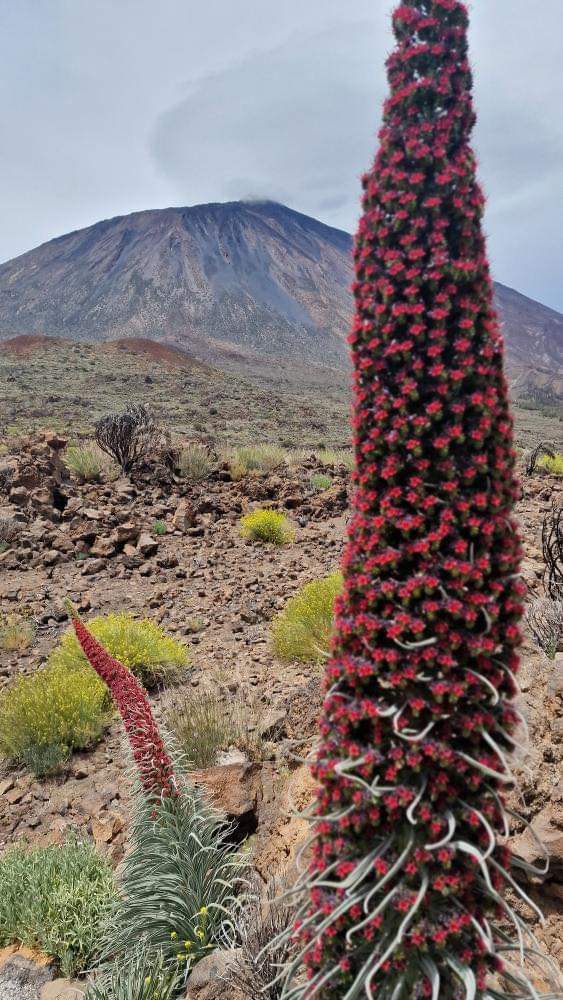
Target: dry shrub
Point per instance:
(544, 618)
(552, 545)
(264, 947)
(86, 462)
(256, 458)
(17, 631)
(532, 458)
(336, 457)
(206, 722)
(195, 462)
(131, 437)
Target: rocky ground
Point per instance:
(219, 592)
(206, 584)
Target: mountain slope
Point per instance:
(242, 281)
(258, 276)
(534, 341)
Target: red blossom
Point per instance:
(429, 614)
(153, 762)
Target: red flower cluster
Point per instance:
(405, 879)
(153, 763)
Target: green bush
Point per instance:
(204, 723)
(195, 462)
(55, 899)
(319, 482)
(302, 631)
(553, 465)
(47, 715)
(257, 458)
(86, 463)
(159, 528)
(141, 645)
(267, 526)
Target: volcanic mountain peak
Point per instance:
(241, 282)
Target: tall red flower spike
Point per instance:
(153, 762)
(406, 881)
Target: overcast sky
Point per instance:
(111, 106)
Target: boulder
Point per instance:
(103, 547)
(92, 514)
(147, 545)
(63, 989)
(292, 501)
(235, 789)
(556, 679)
(92, 566)
(106, 827)
(334, 500)
(6, 785)
(22, 975)
(54, 440)
(548, 828)
(272, 725)
(210, 978)
(82, 531)
(19, 496)
(184, 516)
(125, 533)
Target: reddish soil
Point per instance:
(28, 343)
(165, 353)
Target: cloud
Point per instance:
(298, 123)
(282, 100)
(519, 139)
(294, 123)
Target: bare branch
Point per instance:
(129, 437)
(552, 544)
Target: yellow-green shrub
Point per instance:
(237, 471)
(552, 465)
(47, 715)
(141, 645)
(267, 526)
(302, 631)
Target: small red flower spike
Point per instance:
(153, 762)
